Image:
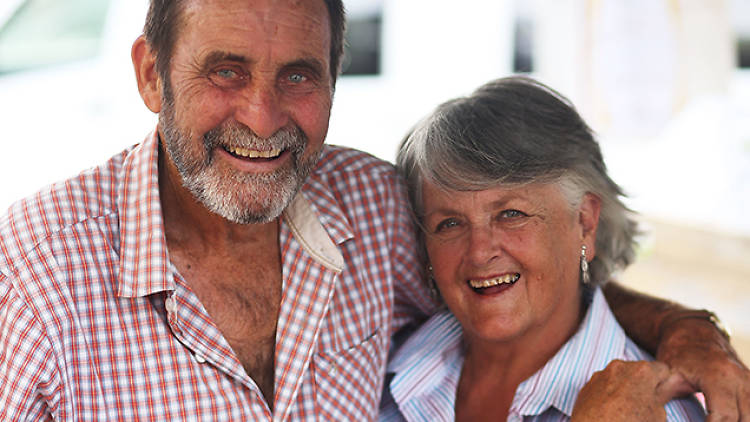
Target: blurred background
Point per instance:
(664, 83)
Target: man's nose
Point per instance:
(262, 110)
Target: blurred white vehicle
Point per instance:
(68, 96)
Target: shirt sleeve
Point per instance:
(27, 387)
(412, 301)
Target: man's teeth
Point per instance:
(504, 279)
(251, 153)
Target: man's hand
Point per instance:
(628, 391)
(704, 357)
(694, 347)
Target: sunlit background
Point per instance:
(665, 83)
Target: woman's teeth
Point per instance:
(504, 279)
(251, 153)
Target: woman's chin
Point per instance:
(497, 331)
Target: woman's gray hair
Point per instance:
(515, 131)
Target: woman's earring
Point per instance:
(584, 266)
(434, 292)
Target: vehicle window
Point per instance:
(46, 32)
(362, 49)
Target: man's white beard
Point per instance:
(239, 197)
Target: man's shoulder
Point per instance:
(356, 189)
(338, 160)
(355, 179)
(89, 195)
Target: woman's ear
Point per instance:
(149, 82)
(588, 218)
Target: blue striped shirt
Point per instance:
(423, 374)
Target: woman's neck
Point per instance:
(492, 371)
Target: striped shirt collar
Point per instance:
(599, 340)
(426, 368)
(144, 259)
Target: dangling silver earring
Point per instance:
(584, 266)
(434, 292)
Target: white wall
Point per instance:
(432, 51)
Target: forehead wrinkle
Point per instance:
(298, 15)
(301, 13)
(300, 22)
(502, 199)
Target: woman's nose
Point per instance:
(484, 245)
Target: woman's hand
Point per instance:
(628, 391)
(703, 356)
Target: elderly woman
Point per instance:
(521, 225)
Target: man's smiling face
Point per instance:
(245, 110)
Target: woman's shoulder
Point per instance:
(440, 332)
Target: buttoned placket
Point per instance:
(305, 301)
(170, 304)
(193, 328)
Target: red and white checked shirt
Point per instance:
(96, 324)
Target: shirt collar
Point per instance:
(430, 358)
(318, 223)
(325, 206)
(144, 261)
(599, 340)
(315, 232)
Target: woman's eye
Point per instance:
(512, 214)
(446, 225)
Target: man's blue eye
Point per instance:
(296, 78)
(227, 73)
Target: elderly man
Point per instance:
(231, 266)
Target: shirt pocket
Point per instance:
(349, 382)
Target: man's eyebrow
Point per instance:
(311, 63)
(223, 56)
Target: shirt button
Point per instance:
(170, 304)
(199, 358)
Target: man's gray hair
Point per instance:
(515, 131)
(164, 18)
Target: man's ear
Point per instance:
(149, 82)
(588, 218)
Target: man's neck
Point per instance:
(186, 220)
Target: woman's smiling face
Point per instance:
(507, 259)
